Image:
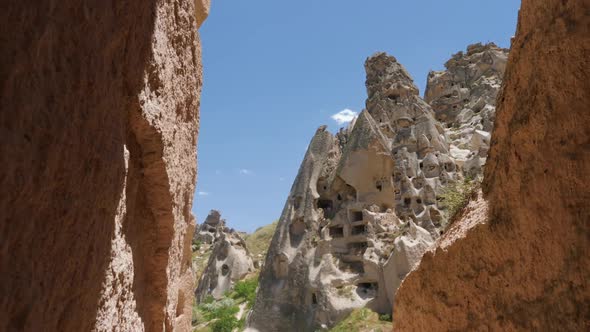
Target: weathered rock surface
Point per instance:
(463, 98)
(98, 129)
(282, 302)
(418, 142)
(230, 260)
(524, 265)
(211, 229)
(363, 209)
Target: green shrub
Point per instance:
(221, 313)
(246, 290)
(225, 324)
(360, 320)
(456, 196)
(385, 318)
(217, 309)
(208, 299)
(196, 245)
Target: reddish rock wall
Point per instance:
(526, 266)
(98, 128)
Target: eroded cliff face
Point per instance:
(229, 260)
(98, 138)
(463, 98)
(365, 206)
(524, 264)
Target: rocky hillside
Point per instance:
(99, 121)
(369, 201)
(463, 98)
(229, 258)
(227, 270)
(517, 258)
(259, 241)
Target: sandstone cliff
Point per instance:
(368, 202)
(99, 117)
(523, 265)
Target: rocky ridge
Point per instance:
(366, 203)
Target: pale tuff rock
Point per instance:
(362, 211)
(464, 100)
(211, 229)
(407, 252)
(418, 142)
(284, 302)
(230, 260)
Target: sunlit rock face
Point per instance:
(517, 258)
(363, 209)
(463, 98)
(99, 121)
(419, 146)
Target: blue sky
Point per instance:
(275, 70)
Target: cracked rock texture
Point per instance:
(524, 265)
(99, 117)
(229, 262)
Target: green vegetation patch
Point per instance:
(363, 320)
(221, 315)
(456, 196)
(246, 290)
(259, 241)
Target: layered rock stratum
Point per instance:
(229, 260)
(368, 201)
(517, 259)
(99, 119)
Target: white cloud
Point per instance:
(281, 179)
(203, 193)
(344, 116)
(217, 172)
(244, 171)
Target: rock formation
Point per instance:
(418, 142)
(99, 117)
(230, 260)
(524, 264)
(363, 209)
(464, 100)
(211, 229)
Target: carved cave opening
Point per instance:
(224, 270)
(359, 230)
(357, 248)
(367, 289)
(337, 231)
(325, 204)
(357, 216)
